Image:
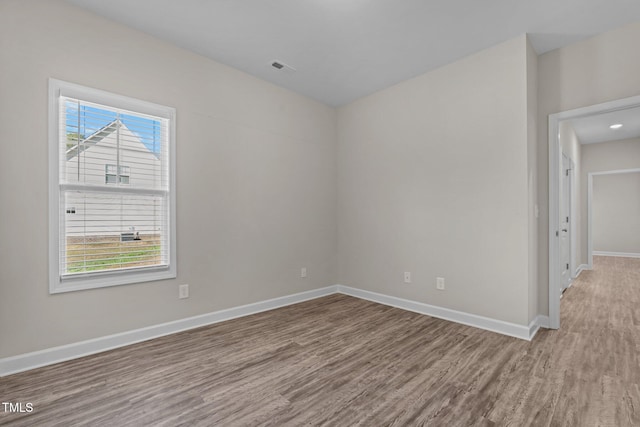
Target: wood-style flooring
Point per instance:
(343, 361)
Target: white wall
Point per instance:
(434, 179)
(256, 186)
(600, 69)
(602, 157)
(616, 213)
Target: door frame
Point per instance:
(571, 197)
(575, 211)
(555, 172)
(589, 202)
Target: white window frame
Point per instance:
(102, 279)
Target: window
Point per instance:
(112, 189)
(115, 174)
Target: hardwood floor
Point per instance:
(342, 361)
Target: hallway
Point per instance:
(597, 349)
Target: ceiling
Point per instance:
(594, 129)
(345, 49)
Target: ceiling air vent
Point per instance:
(281, 66)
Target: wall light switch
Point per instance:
(303, 272)
(407, 277)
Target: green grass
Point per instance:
(98, 253)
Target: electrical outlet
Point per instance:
(183, 291)
(407, 277)
(303, 272)
(440, 283)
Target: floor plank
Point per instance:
(339, 361)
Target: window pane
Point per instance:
(113, 231)
(98, 139)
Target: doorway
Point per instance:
(618, 224)
(559, 200)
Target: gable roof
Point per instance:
(100, 135)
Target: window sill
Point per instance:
(103, 280)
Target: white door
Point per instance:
(565, 228)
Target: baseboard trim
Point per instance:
(580, 269)
(542, 321)
(50, 356)
(617, 254)
(534, 327)
(36, 359)
(539, 322)
(486, 323)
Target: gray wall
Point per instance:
(256, 182)
(434, 179)
(600, 69)
(436, 176)
(616, 213)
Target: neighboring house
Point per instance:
(112, 156)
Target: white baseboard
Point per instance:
(36, 359)
(486, 323)
(580, 269)
(618, 254)
(542, 321)
(533, 328)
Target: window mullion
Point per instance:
(118, 148)
(78, 140)
(105, 189)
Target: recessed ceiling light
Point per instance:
(616, 126)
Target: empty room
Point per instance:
(322, 212)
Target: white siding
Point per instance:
(112, 214)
